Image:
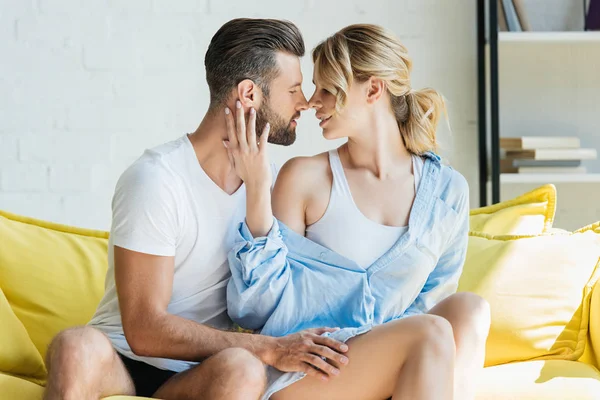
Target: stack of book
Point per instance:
(543, 155)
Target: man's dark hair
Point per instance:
(246, 48)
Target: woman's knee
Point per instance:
(435, 335)
(242, 367)
(476, 310)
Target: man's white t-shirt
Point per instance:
(165, 204)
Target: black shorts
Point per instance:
(146, 378)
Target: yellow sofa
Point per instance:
(540, 281)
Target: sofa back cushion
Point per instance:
(529, 214)
(52, 275)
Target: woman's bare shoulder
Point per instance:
(305, 172)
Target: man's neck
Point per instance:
(207, 142)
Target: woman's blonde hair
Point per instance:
(359, 52)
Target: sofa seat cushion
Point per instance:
(539, 380)
(14, 388)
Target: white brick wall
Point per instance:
(86, 86)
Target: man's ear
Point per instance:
(249, 94)
(375, 89)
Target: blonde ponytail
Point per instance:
(361, 51)
(418, 113)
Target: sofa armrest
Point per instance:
(594, 324)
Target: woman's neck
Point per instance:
(379, 148)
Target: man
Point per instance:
(175, 211)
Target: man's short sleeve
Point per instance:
(144, 210)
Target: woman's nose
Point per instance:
(314, 102)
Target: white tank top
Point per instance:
(345, 229)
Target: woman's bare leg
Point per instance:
(412, 358)
(469, 315)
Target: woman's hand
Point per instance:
(247, 153)
(251, 164)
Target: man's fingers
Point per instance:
(264, 137)
(331, 343)
(310, 371)
(251, 130)
(240, 125)
(230, 124)
(335, 358)
(321, 364)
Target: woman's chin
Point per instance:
(330, 134)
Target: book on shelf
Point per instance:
(592, 18)
(522, 14)
(512, 19)
(544, 170)
(501, 17)
(539, 142)
(517, 162)
(552, 154)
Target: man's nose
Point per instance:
(303, 104)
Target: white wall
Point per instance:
(86, 86)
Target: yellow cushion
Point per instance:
(14, 388)
(539, 290)
(52, 275)
(539, 380)
(18, 355)
(529, 214)
(591, 354)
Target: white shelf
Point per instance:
(550, 178)
(548, 37)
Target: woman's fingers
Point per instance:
(231, 133)
(229, 154)
(264, 137)
(240, 125)
(251, 130)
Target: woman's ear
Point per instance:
(249, 94)
(375, 89)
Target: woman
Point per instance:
(370, 237)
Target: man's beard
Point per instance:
(281, 132)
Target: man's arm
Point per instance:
(144, 285)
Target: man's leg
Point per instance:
(231, 374)
(82, 364)
(412, 358)
(469, 315)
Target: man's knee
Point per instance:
(75, 346)
(241, 366)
